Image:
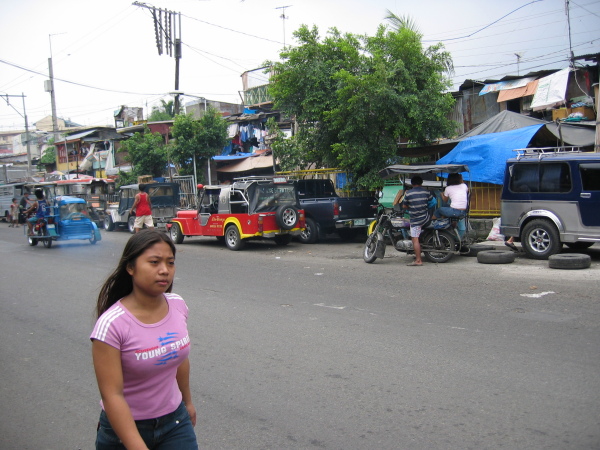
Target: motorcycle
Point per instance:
(440, 239)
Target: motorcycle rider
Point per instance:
(39, 206)
(416, 201)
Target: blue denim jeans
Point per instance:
(170, 432)
(448, 211)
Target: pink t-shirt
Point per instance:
(458, 195)
(150, 355)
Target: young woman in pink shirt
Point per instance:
(140, 348)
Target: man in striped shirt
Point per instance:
(416, 200)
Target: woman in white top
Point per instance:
(457, 193)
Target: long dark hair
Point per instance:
(454, 179)
(119, 283)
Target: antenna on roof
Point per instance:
(518, 55)
(283, 17)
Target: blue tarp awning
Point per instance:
(486, 154)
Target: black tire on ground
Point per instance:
(496, 257)
(476, 248)
(370, 250)
(447, 242)
(175, 233)
(310, 235)
(130, 224)
(569, 261)
(109, 225)
(287, 217)
(540, 239)
(579, 245)
(284, 239)
(233, 240)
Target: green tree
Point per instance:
(147, 153)
(354, 97)
(49, 156)
(164, 112)
(200, 138)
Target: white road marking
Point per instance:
(541, 294)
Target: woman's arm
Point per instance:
(183, 381)
(109, 373)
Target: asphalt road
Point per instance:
(306, 346)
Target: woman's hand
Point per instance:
(191, 409)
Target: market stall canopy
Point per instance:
(486, 154)
(402, 169)
(249, 163)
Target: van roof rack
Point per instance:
(540, 152)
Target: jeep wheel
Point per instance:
(540, 239)
(496, 257)
(109, 225)
(287, 217)
(284, 239)
(131, 224)
(233, 240)
(310, 234)
(569, 261)
(176, 234)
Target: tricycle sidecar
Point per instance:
(68, 220)
(439, 240)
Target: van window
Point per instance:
(546, 177)
(590, 177)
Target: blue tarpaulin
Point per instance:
(486, 154)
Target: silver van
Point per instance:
(551, 197)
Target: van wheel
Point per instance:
(233, 240)
(540, 239)
(569, 261)
(310, 234)
(496, 257)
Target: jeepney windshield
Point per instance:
(269, 197)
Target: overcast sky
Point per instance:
(104, 52)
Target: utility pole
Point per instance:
(167, 32)
(24, 116)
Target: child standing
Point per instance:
(14, 214)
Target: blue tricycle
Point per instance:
(68, 219)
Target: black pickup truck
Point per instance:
(327, 213)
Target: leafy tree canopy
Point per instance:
(147, 153)
(202, 139)
(164, 112)
(354, 97)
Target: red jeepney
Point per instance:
(248, 208)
